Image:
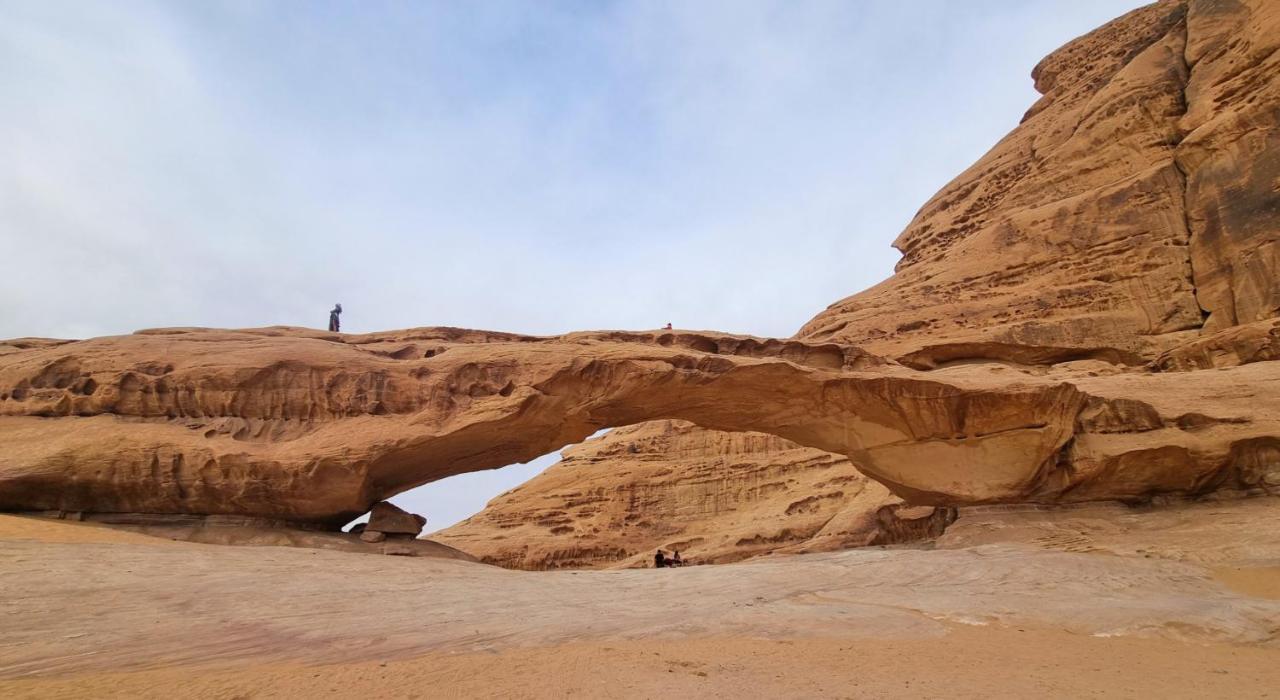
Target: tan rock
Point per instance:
(277, 423)
(399, 549)
(372, 536)
(1140, 190)
(280, 423)
(1239, 345)
(1230, 155)
(713, 496)
(388, 519)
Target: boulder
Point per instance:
(388, 519)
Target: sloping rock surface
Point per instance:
(1135, 205)
(713, 496)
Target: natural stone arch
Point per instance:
(304, 426)
(315, 427)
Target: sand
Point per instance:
(1260, 581)
(967, 662)
(92, 612)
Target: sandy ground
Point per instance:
(967, 662)
(1262, 582)
(1000, 609)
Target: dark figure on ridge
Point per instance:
(676, 560)
(659, 560)
(333, 317)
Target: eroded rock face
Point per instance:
(713, 496)
(316, 427)
(1239, 345)
(1135, 205)
(305, 426)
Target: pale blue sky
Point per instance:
(525, 166)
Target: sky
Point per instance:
(537, 167)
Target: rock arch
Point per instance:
(306, 426)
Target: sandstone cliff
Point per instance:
(1132, 214)
(1134, 206)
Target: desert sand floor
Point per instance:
(1102, 601)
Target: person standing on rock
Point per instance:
(659, 560)
(333, 317)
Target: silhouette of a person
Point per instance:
(333, 317)
(659, 560)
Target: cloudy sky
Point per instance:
(524, 166)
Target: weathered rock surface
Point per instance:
(1239, 345)
(1135, 204)
(314, 427)
(713, 496)
(1131, 217)
(389, 519)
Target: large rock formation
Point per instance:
(1134, 206)
(317, 427)
(312, 426)
(711, 495)
(1131, 216)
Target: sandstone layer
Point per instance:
(313, 427)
